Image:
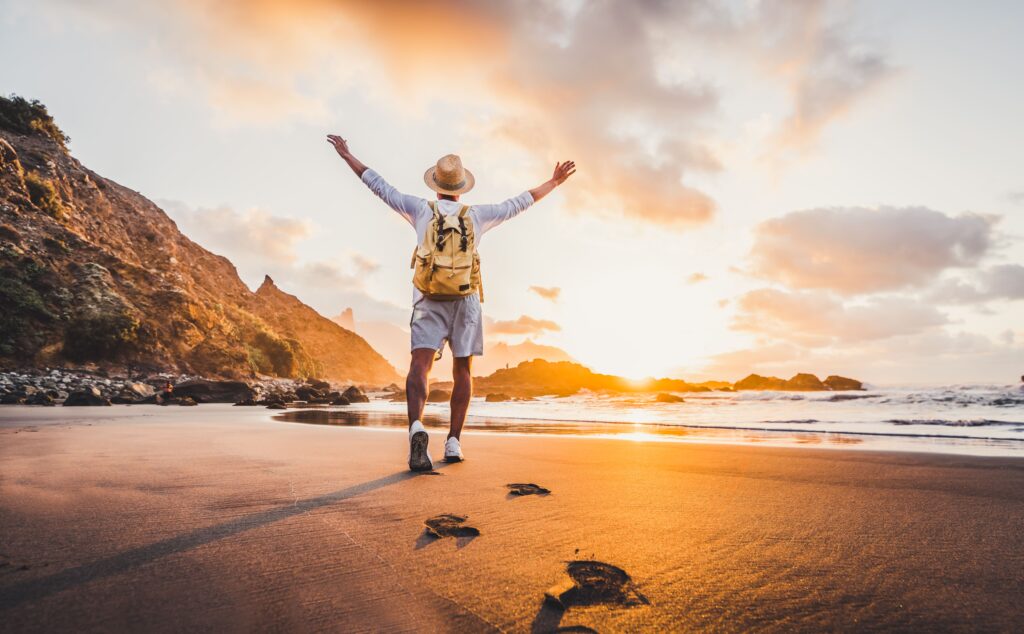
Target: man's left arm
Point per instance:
(490, 216)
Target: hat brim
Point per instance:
(428, 178)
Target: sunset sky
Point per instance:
(833, 187)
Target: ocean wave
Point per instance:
(768, 395)
(974, 422)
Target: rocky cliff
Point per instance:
(93, 274)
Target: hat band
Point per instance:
(458, 185)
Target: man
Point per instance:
(453, 316)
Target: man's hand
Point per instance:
(563, 171)
(341, 147)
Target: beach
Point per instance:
(220, 518)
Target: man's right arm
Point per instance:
(407, 206)
(341, 147)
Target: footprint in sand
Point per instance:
(519, 488)
(595, 583)
(449, 525)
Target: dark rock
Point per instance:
(497, 398)
(308, 393)
(340, 400)
(246, 403)
(124, 400)
(277, 406)
(669, 398)
(187, 401)
(319, 401)
(355, 395)
(439, 396)
(87, 396)
(805, 383)
(322, 386)
(211, 391)
(41, 398)
(840, 383)
(12, 399)
(758, 382)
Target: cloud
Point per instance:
(259, 243)
(601, 82)
(524, 325)
(253, 100)
(1016, 197)
(808, 44)
(935, 356)
(249, 236)
(550, 293)
(695, 278)
(364, 264)
(815, 318)
(1004, 281)
(855, 250)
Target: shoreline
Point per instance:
(435, 419)
(204, 519)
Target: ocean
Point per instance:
(965, 419)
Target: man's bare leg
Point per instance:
(461, 393)
(416, 382)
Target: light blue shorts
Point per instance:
(459, 322)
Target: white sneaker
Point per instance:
(419, 459)
(453, 450)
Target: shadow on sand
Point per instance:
(58, 582)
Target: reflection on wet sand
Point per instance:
(624, 431)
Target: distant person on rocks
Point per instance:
(447, 283)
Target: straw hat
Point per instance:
(449, 177)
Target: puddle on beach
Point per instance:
(623, 431)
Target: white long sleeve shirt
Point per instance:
(417, 212)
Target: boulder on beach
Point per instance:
(320, 385)
(308, 393)
(669, 398)
(137, 390)
(497, 398)
(340, 400)
(277, 406)
(355, 395)
(214, 391)
(42, 398)
(805, 383)
(246, 403)
(85, 397)
(840, 383)
(439, 396)
(187, 401)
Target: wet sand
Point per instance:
(220, 518)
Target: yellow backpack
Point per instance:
(446, 263)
